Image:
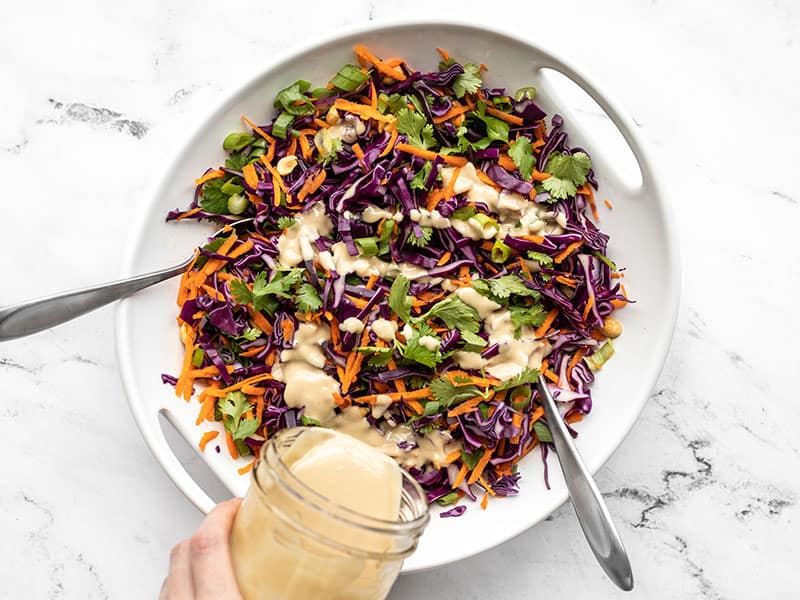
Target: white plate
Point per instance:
(642, 240)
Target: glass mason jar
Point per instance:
(291, 543)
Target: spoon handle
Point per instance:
(592, 511)
(37, 315)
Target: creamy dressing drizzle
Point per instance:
(300, 368)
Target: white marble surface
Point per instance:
(705, 489)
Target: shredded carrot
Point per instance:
(443, 53)
(415, 406)
(550, 375)
(486, 485)
(253, 390)
(231, 446)
(259, 131)
(213, 293)
(214, 174)
(292, 149)
(451, 187)
(246, 469)
(363, 110)
(241, 249)
(506, 162)
(287, 328)
(574, 418)
(305, 147)
(536, 239)
(444, 259)
(455, 111)
(207, 437)
(311, 185)
(574, 361)
(608, 204)
(277, 180)
(188, 213)
(548, 321)
(484, 500)
(524, 267)
(362, 53)
(259, 321)
(466, 407)
(237, 386)
(504, 116)
(588, 307)
(397, 396)
(457, 161)
(536, 415)
(618, 303)
(359, 155)
(559, 258)
(539, 176)
(586, 190)
(452, 457)
(391, 143)
(478, 470)
(566, 281)
(250, 175)
(462, 473)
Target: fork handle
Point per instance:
(37, 315)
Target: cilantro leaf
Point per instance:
(244, 428)
(420, 242)
(416, 352)
(285, 222)
(250, 334)
(575, 167)
(380, 357)
(455, 313)
(418, 183)
(307, 298)
(237, 140)
(416, 127)
(521, 153)
(531, 316)
(525, 376)
(399, 301)
(541, 258)
(213, 199)
(472, 339)
(567, 173)
(471, 460)
(467, 82)
(397, 102)
(234, 405)
(501, 288)
(496, 129)
(449, 394)
(240, 292)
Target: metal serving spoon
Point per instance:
(592, 511)
(34, 316)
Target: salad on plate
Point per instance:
(405, 253)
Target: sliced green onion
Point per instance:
(606, 260)
(542, 432)
(259, 143)
(525, 93)
(321, 93)
(431, 408)
(447, 499)
(471, 459)
(237, 140)
(282, 125)
(229, 188)
(197, 358)
(501, 103)
(349, 78)
(237, 204)
(485, 222)
(306, 421)
(368, 246)
(484, 410)
(520, 402)
(465, 213)
(596, 361)
(500, 252)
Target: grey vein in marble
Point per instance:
(98, 116)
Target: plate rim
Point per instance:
(198, 121)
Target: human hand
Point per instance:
(200, 568)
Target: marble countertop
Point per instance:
(705, 489)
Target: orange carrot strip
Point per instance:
(373, 95)
(443, 261)
(558, 258)
(478, 470)
(311, 185)
(379, 65)
(566, 281)
(484, 500)
(188, 213)
(215, 174)
(574, 418)
(550, 375)
(457, 161)
(462, 473)
(574, 361)
(259, 321)
(241, 249)
(359, 155)
(213, 293)
(453, 112)
(415, 406)
(539, 176)
(536, 415)
(361, 109)
(551, 316)
(259, 131)
(391, 143)
(588, 307)
(305, 147)
(608, 204)
(246, 469)
(231, 446)
(443, 53)
(504, 116)
(292, 149)
(397, 396)
(465, 407)
(507, 162)
(486, 179)
(207, 437)
(250, 175)
(276, 177)
(523, 267)
(452, 457)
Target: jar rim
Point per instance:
(270, 453)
